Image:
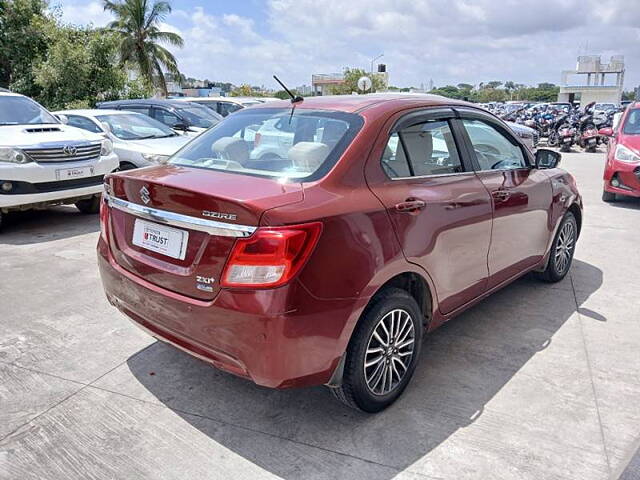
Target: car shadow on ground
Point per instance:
(463, 365)
(37, 226)
(626, 202)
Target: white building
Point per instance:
(593, 81)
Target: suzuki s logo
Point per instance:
(219, 215)
(70, 150)
(145, 196)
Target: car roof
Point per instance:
(7, 93)
(208, 99)
(92, 112)
(145, 101)
(357, 103)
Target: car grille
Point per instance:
(65, 153)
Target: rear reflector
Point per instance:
(104, 218)
(271, 257)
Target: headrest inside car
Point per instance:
(308, 156)
(230, 148)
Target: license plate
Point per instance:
(71, 173)
(592, 141)
(566, 140)
(168, 241)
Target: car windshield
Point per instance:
(199, 116)
(135, 126)
(15, 110)
(632, 124)
(273, 142)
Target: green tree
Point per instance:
(23, 40)
(350, 84)
(81, 68)
(243, 91)
(282, 95)
(137, 25)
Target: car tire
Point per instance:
(89, 205)
(373, 388)
(608, 196)
(124, 166)
(562, 250)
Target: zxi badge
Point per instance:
(145, 196)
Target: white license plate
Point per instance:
(71, 173)
(168, 241)
(566, 140)
(592, 141)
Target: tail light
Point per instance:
(257, 139)
(271, 257)
(104, 218)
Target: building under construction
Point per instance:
(593, 81)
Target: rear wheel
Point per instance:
(382, 353)
(89, 205)
(608, 196)
(562, 250)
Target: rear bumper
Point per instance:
(260, 335)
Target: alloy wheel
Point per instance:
(564, 247)
(389, 352)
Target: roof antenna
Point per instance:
(294, 99)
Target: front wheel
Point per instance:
(382, 353)
(89, 205)
(562, 249)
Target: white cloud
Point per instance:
(83, 13)
(450, 41)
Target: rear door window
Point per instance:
(422, 150)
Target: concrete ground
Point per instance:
(537, 382)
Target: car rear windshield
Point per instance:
(289, 143)
(632, 125)
(16, 110)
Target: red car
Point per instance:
(622, 170)
(381, 218)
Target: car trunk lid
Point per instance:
(176, 226)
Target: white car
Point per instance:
(138, 140)
(44, 162)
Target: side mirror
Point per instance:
(63, 118)
(546, 158)
(106, 127)
(606, 132)
(180, 126)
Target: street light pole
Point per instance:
(374, 59)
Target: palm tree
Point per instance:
(137, 23)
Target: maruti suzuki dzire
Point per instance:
(326, 261)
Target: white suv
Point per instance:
(44, 162)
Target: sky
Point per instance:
(449, 41)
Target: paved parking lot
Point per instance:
(538, 381)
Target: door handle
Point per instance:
(501, 195)
(410, 205)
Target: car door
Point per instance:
(439, 208)
(521, 195)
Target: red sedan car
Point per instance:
(324, 258)
(622, 170)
